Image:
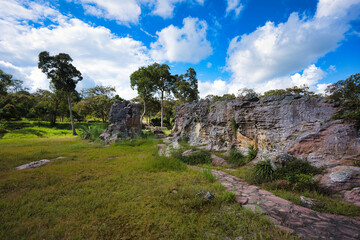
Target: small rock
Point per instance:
(174, 191)
(207, 196)
(217, 161)
(310, 202)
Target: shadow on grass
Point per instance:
(29, 131)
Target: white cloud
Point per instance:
(123, 11)
(129, 11)
(187, 44)
(234, 5)
(310, 76)
(101, 56)
(218, 87)
(320, 88)
(272, 53)
(209, 65)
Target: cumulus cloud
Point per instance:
(218, 87)
(234, 5)
(186, 44)
(123, 11)
(269, 55)
(101, 56)
(129, 11)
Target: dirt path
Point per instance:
(303, 222)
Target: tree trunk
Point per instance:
(142, 115)
(162, 108)
(71, 116)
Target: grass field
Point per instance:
(123, 191)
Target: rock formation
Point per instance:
(124, 118)
(277, 125)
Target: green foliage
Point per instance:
(252, 152)
(236, 158)
(234, 126)
(294, 167)
(186, 87)
(302, 90)
(198, 157)
(207, 173)
(164, 164)
(229, 197)
(215, 98)
(263, 172)
(91, 132)
(347, 92)
(96, 102)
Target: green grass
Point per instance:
(34, 129)
(125, 191)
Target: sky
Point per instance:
(231, 44)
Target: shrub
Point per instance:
(91, 132)
(304, 182)
(208, 175)
(294, 167)
(199, 157)
(263, 172)
(252, 152)
(234, 126)
(236, 158)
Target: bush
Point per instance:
(236, 158)
(263, 172)
(91, 132)
(294, 167)
(252, 152)
(305, 182)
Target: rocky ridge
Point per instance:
(277, 126)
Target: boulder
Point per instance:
(124, 118)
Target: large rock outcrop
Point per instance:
(277, 125)
(124, 118)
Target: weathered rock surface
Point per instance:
(288, 124)
(353, 196)
(124, 118)
(33, 164)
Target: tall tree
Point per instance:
(186, 87)
(142, 80)
(5, 82)
(62, 74)
(163, 82)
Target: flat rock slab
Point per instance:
(37, 163)
(33, 164)
(301, 221)
(218, 161)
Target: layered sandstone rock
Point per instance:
(276, 125)
(124, 118)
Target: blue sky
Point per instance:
(232, 44)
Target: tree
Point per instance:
(96, 101)
(142, 80)
(302, 90)
(5, 82)
(163, 82)
(347, 92)
(62, 74)
(186, 87)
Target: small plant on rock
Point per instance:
(252, 152)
